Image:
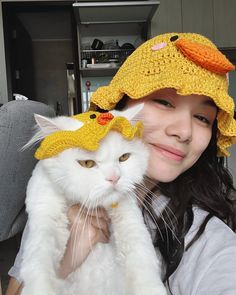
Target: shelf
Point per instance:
(98, 72)
(115, 11)
(129, 24)
(106, 50)
(106, 55)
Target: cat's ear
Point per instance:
(51, 125)
(46, 125)
(130, 112)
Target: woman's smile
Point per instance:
(169, 152)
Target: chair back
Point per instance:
(16, 128)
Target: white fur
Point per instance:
(128, 264)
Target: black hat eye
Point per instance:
(93, 116)
(173, 38)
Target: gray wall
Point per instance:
(232, 85)
(232, 162)
(232, 158)
(50, 58)
(3, 78)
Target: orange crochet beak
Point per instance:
(205, 56)
(104, 118)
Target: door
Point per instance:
(20, 61)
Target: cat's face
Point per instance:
(103, 177)
(97, 178)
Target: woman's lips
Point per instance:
(169, 152)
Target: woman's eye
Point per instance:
(87, 163)
(163, 102)
(203, 119)
(124, 157)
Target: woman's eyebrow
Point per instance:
(209, 102)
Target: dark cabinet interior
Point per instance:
(40, 40)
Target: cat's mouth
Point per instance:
(112, 196)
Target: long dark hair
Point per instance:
(208, 185)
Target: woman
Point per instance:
(188, 123)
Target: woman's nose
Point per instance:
(181, 127)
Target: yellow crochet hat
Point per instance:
(94, 127)
(187, 62)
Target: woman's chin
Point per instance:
(163, 175)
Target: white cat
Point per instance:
(128, 264)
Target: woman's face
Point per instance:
(177, 130)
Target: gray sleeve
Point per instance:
(15, 269)
(209, 265)
(219, 279)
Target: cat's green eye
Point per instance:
(87, 163)
(124, 157)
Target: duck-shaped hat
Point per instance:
(187, 62)
(90, 130)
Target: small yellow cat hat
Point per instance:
(92, 128)
(189, 63)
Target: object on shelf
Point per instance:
(84, 63)
(18, 96)
(111, 44)
(86, 104)
(106, 55)
(93, 60)
(97, 44)
(99, 66)
(127, 46)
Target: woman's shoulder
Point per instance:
(209, 265)
(215, 228)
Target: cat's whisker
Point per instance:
(148, 199)
(75, 241)
(143, 204)
(91, 216)
(149, 180)
(97, 192)
(150, 213)
(96, 210)
(137, 196)
(98, 220)
(149, 195)
(148, 192)
(81, 211)
(91, 199)
(153, 219)
(167, 210)
(87, 219)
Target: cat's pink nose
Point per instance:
(113, 178)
